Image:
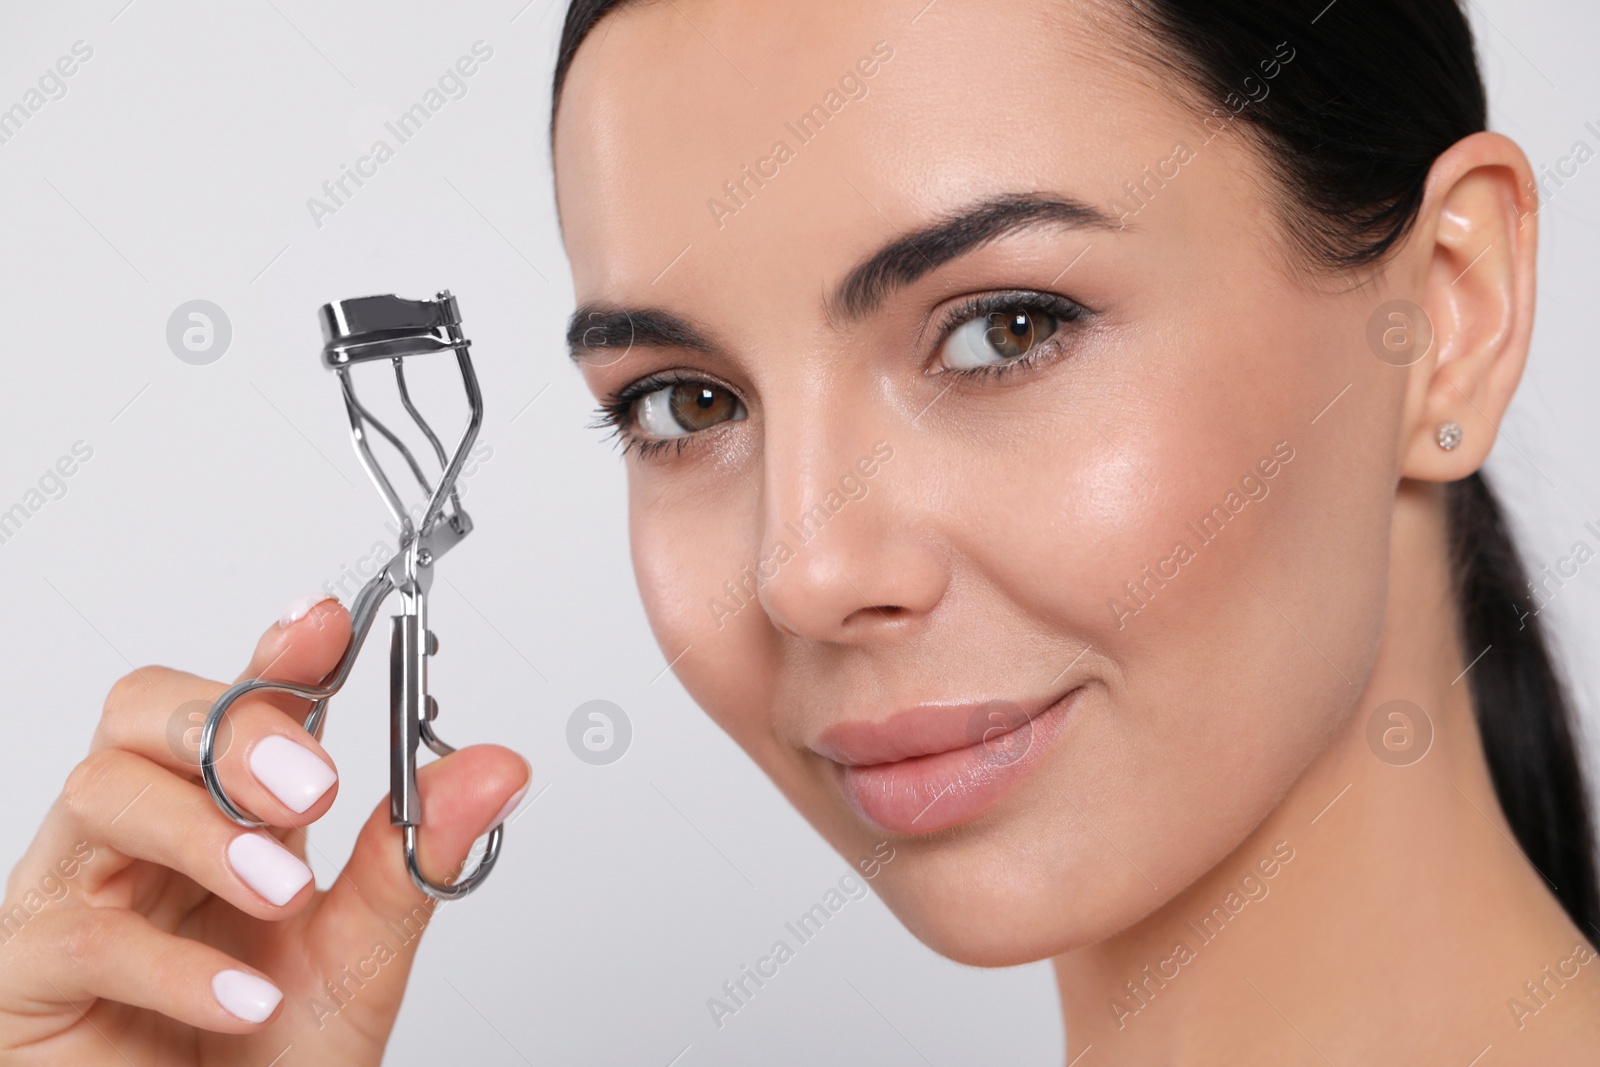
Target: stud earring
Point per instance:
(1449, 435)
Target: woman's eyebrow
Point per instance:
(907, 258)
(600, 328)
(596, 327)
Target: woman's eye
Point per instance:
(996, 337)
(685, 408)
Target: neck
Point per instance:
(1382, 913)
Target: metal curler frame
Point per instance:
(361, 330)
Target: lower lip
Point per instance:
(928, 793)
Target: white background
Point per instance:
(178, 167)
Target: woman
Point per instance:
(1053, 434)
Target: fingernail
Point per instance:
(268, 867)
(291, 772)
(245, 995)
(511, 805)
(297, 611)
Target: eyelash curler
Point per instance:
(362, 330)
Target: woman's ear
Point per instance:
(1475, 245)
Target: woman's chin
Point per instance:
(999, 940)
(987, 916)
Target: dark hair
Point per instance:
(1376, 91)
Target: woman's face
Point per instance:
(970, 393)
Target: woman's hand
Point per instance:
(143, 926)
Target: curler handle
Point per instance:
(405, 718)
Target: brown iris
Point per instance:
(699, 406)
(1014, 333)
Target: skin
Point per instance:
(1227, 714)
(113, 960)
(1222, 725)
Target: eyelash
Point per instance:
(1063, 310)
(614, 413)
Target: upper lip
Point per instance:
(924, 730)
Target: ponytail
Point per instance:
(1523, 712)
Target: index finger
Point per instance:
(307, 641)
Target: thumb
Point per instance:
(374, 903)
(464, 795)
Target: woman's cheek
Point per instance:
(686, 557)
(1085, 520)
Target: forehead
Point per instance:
(699, 136)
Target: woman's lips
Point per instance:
(931, 768)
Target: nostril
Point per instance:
(886, 612)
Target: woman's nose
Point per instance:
(845, 555)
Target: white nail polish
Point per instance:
(511, 805)
(268, 867)
(291, 772)
(245, 995)
(297, 610)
